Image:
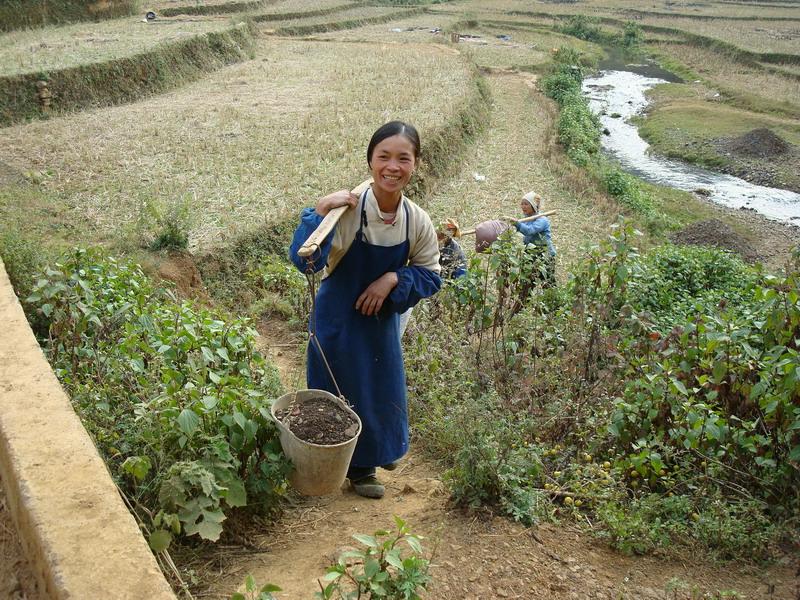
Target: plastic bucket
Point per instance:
(318, 470)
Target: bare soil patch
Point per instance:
(713, 232)
(319, 421)
(180, 268)
(761, 142)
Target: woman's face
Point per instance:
(392, 164)
(527, 209)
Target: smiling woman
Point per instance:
(382, 258)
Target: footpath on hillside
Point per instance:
(475, 555)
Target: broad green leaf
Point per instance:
(160, 540)
(269, 588)
(240, 419)
(371, 567)
(236, 494)
(223, 352)
(188, 421)
(679, 386)
(413, 541)
(238, 596)
(367, 540)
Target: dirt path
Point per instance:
(474, 556)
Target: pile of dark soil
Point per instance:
(760, 143)
(319, 421)
(717, 234)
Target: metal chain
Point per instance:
(310, 277)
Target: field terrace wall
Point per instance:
(125, 79)
(302, 30)
(78, 536)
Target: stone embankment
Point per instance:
(78, 536)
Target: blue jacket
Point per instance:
(537, 232)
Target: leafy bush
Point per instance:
(659, 392)
(632, 35)
(380, 570)
(284, 288)
(175, 397)
(627, 189)
(22, 258)
(584, 28)
(670, 281)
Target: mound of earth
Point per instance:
(761, 143)
(713, 232)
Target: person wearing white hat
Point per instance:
(538, 239)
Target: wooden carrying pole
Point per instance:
(315, 240)
(523, 220)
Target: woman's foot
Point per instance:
(369, 487)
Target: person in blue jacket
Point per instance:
(380, 260)
(538, 240)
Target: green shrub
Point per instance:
(22, 258)
(584, 28)
(627, 189)
(390, 566)
(632, 35)
(175, 396)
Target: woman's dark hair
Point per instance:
(394, 128)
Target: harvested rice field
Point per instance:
(52, 48)
(249, 144)
(726, 73)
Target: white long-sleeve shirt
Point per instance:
(423, 245)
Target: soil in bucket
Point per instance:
(319, 421)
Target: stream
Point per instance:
(620, 89)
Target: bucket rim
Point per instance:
(329, 396)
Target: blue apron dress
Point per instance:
(363, 352)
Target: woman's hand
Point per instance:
(371, 299)
(334, 200)
(510, 220)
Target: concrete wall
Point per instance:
(77, 533)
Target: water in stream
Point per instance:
(622, 92)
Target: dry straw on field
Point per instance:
(732, 75)
(52, 48)
(756, 36)
(250, 144)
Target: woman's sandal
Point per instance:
(369, 487)
(391, 466)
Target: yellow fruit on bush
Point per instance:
(662, 472)
(568, 500)
(587, 457)
(606, 465)
(578, 503)
(695, 517)
(556, 473)
(634, 474)
(635, 483)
